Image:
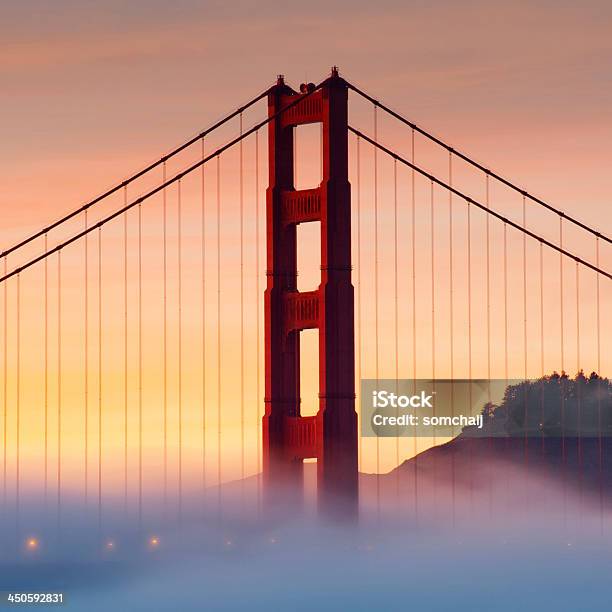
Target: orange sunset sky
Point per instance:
(91, 92)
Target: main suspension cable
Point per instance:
(152, 192)
(475, 164)
(136, 176)
(471, 200)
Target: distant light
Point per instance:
(273, 540)
(32, 544)
(110, 545)
(154, 542)
(228, 542)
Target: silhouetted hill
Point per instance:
(553, 406)
(548, 439)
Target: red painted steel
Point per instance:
(301, 206)
(331, 435)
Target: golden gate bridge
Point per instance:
(142, 357)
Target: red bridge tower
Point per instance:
(331, 435)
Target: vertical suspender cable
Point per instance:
(99, 379)
(433, 315)
(86, 361)
(395, 287)
(488, 268)
(18, 407)
(413, 260)
(578, 370)
(165, 341)
(241, 302)
(562, 379)
(180, 351)
(597, 310)
(433, 290)
(469, 305)
(219, 332)
(359, 331)
(433, 284)
(140, 364)
(542, 345)
(450, 266)
(561, 337)
(359, 309)
(525, 408)
(506, 303)
(395, 296)
(376, 294)
(488, 298)
(414, 339)
(125, 356)
(59, 387)
(577, 317)
(506, 375)
(524, 291)
(505, 291)
(451, 307)
(46, 391)
(599, 433)
(203, 282)
(376, 350)
(5, 389)
(257, 315)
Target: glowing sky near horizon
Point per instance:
(92, 92)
